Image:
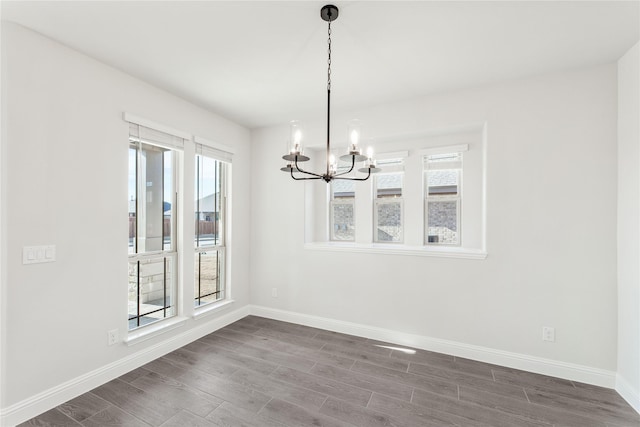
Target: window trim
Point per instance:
(443, 198)
(144, 333)
(141, 121)
(221, 246)
(173, 252)
(443, 149)
(399, 249)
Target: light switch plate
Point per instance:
(38, 254)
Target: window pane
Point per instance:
(208, 202)
(197, 196)
(389, 185)
(343, 192)
(443, 182)
(132, 196)
(153, 216)
(150, 291)
(208, 286)
(389, 217)
(167, 204)
(343, 222)
(442, 222)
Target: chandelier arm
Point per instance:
(299, 169)
(308, 173)
(305, 178)
(353, 178)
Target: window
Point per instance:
(428, 199)
(152, 225)
(210, 224)
(442, 174)
(342, 210)
(388, 206)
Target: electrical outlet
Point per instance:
(548, 333)
(274, 292)
(113, 336)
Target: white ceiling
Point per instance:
(261, 63)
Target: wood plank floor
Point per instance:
(261, 372)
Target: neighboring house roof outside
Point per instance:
(389, 181)
(442, 178)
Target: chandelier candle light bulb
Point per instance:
(294, 156)
(355, 130)
(296, 137)
(370, 164)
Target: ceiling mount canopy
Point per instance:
(295, 155)
(329, 13)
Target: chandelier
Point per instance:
(354, 154)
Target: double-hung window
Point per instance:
(211, 172)
(153, 163)
(443, 190)
(342, 210)
(388, 209)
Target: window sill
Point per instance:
(376, 248)
(147, 332)
(211, 308)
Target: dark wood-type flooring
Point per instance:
(266, 373)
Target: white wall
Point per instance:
(64, 177)
(628, 383)
(551, 142)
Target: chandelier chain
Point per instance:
(329, 58)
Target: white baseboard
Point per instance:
(628, 393)
(42, 402)
(524, 362)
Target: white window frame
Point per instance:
(220, 246)
(138, 135)
(340, 201)
(332, 204)
(458, 198)
(379, 202)
(397, 167)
